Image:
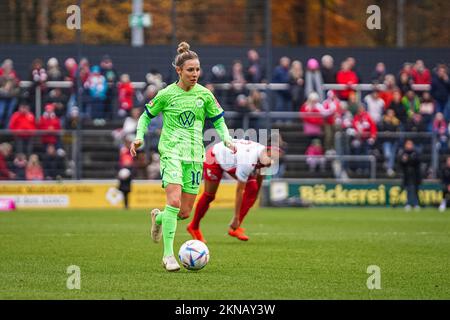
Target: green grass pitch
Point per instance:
(320, 253)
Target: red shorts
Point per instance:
(212, 171)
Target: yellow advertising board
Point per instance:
(97, 194)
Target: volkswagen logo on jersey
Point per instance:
(187, 119)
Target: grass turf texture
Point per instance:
(320, 253)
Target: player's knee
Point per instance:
(174, 202)
(185, 211)
(209, 196)
(251, 190)
(182, 215)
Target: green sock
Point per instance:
(158, 218)
(169, 226)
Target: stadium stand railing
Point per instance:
(92, 153)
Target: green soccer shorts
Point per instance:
(188, 174)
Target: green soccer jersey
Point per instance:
(184, 114)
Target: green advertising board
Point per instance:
(351, 194)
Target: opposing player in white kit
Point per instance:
(244, 165)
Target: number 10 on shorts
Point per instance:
(196, 178)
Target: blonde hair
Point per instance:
(296, 69)
(33, 160)
(5, 148)
(184, 54)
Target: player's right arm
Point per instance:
(151, 110)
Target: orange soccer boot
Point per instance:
(195, 233)
(238, 233)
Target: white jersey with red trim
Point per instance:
(243, 162)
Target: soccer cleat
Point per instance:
(156, 230)
(170, 263)
(195, 233)
(238, 233)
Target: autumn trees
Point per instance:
(229, 22)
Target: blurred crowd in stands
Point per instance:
(393, 105)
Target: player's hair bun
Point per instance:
(183, 47)
(184, 54)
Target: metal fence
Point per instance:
(96, 154)
(224, 87)
(80, 145)
(342, 145)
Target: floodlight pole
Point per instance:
(137, 32)
(400, 23)
(322, 23)
(77, 156)
(173, 15)
(268, 42)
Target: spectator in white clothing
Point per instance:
(129, 126)
(375, 106)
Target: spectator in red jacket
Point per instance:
(126, 94)
(5, 152)
(23, 120)
(364, 126)
(49, 121)
(315, 155)
(441, 131)
(312, 119)
(331, 110)
(352, 66)
(364, 135)
(71, 67)
(420, 74)
(388, 94)
(84, 70)
(348, 77)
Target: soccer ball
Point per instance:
(194, 255)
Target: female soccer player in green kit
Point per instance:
(184, 105)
